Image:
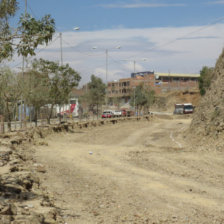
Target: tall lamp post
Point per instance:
(107, 55)
(106, 71)
(134, 99)
(134, 63)
(61, 47)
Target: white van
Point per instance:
(188, 108)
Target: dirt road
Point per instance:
(137, 172)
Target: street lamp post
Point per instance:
(134, 101)
(106, 71)
(134, 63)
(106, 65)
(107, 55)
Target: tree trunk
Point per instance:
(97, 108)
(50, 114)
(35, 116)
(8, 117)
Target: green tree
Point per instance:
(117, 102)
(30, 32)
(150, 95)
(95, 95)
(205, 79)
(35, 91)
(10, 93)
(61, 80)
(142, 98)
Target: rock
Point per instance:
(43, 143)
(36, 218)
(47, 202)
(40, 168)
(13, 188)
(50, 217)
(14, 169)
(50, 221)
(9, 209)
(6, 219)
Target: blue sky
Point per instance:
(109, 14)
(170, 35)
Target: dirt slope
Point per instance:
(209, 117)
(141, 172)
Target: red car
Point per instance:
(107, 114)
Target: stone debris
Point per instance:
(22, 199)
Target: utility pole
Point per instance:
(22, 104)
(134, 66)
(60, 35)
(106, 64)
(106, 75)
(134, 101)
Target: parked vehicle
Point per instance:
(186, 108)
(123, 112)
(127, 113)
(70, 109)
(179, 109)
(107, 114)
(117, 113)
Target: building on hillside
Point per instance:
(176, 82)
(122, 89)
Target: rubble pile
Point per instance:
(22, 199)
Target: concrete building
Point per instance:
(159, 82)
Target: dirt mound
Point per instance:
(208, 119)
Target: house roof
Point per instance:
(177, 75)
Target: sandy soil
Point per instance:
(137, 172)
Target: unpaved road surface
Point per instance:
(136, 172)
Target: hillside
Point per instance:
(208, 120)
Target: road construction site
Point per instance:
(134, 171)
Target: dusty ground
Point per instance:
(137, 172)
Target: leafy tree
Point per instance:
(30, 32)
(150, 95)
(95, 95)
(142, 98)
(117, 102)
(10, 93)
(61, 79)
(206, 75)
(35, 91)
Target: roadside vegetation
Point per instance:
(44, 82)
(206, 75)
(95, 94)
(142, 99)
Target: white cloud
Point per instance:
(142, 5)
(221, 2)
(175, 49)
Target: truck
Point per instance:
(68, 110)
(185, 108)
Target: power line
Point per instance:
(181, 37)
(87, 54)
